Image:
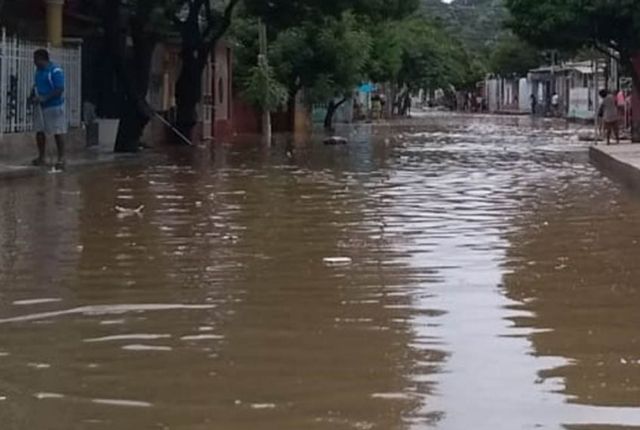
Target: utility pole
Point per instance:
(263, 62)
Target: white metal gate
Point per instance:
(16, 82)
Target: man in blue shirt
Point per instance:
(48, 101)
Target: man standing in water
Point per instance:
(609, 114)
(48, 102)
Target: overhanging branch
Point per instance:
(606, 49)
(216, 30)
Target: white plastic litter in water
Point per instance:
(202, 337)
(337, 261)
(120, 402)
(41, 396)
(36, 301)
(263, 406)
(39, 365)
(124, 212)
(134, 336)
(146, 348)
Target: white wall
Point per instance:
(524, 95)
(579, 103)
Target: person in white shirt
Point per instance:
(555, 104)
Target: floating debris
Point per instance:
(138, 347)
(119, 402)
(35, 301)
(136, 336)
(41, 396)
(337, 261)
(263, 406)
(336, 140)
(122, 211)
(202, 337)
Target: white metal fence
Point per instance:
(16, 82)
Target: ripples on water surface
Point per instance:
(493, 285)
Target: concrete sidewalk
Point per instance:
(18, 150)
(87, 158)
(620, 161)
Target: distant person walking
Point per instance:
(534, 104)
(407, 105)
(555, 104)
(48, 101)
(608, 113)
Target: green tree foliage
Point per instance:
(340, 51)
(573, 24)
(431, 58)
(514, 57)
(478, 24)
(283, 14)
(328, 48)
(327, 57)
(262, 88)
(386, 52)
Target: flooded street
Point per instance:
(493, 284)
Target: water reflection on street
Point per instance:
(493, 285)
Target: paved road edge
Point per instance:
(622, 166)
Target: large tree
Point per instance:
(325, 47)
(332, 63)
(331, 47)
(571, 24)
(478, 24)
(282, 14)
(432, 58)
(514, 57)
(201, 24)
(126, 41)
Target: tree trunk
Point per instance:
(131, 69)
(137, 112)
(635, 99)
(197, 44)
(189, 91)
(332, 108)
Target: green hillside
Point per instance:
(477, 23)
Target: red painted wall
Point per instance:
(246, 119)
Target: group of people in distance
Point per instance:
(610, 113)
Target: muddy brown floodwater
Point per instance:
(494, 284)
